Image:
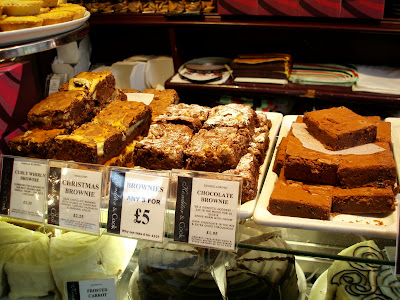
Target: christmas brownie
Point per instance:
(217, 150)
(66, 109)
(90, 143)
(163, 147)
(340, 128)
(37, 143)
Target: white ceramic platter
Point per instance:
(379, 225)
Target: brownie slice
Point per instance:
(163, 147)
(296, 199)
(377, 169)
(262, 120)
(232, 115)
(132, 118)
(67, 109)
(162, 99)
(125, 158)
(280, 156)
(384, 129)
(248, 168)
(90, 143)
(37, 143)
(340, 128)
(259, 143)
(217, 150)
(363, 200)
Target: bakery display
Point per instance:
(361, 179)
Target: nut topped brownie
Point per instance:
(340, 128)
(163, 147)
(90, 143)
(232, 115)
(217, 150)
(67, 109)
(131, 117)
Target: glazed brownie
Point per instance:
(231, 115)
(259, 143)
(297, 199)
(66, 109)
(310, 166)
(248, 168)
(377, 169)
(217, 150)
(163, 147)
(90, 143)
(131, 117)
(37, 143)
(363, 200)
(340, 128)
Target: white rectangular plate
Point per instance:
(379, 225)
(247, 209)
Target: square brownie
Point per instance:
(363, 200)
(162, 99)
(217, 150)
(297, 199)
(163, 147)
(280, 156)
(90, 143)
(340, 128)
(67, 109)
(125, 158)
(132, 118)
(36, 142)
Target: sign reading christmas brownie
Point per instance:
(137, 204)
(74, 196)
(206, 209)
(23, 183)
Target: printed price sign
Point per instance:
(206, 212)
(74, 198)
(137, 204)
(23, 185)
(102, 289)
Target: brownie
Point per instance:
(132, 118)
(192, 123)
(363, 200)
(36, 142)
(262, 120)
(100, 86)
(90, 143)
(259, 143)
(377, 169)
(280, 155)
(217, 150)
(248, 168)
(297, 199)
(384, 129)
(232, 115)
(66, 109)
(163, 147)
(125, 158)
(162, 99)
(310, 166)
(340, 128)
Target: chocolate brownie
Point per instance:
(132, 118)
(363, 200)
(231, 115)
(377, 169)
(340, 128)
(297, 199)
(37, 143)
(217, 150)
(67, 109)
(384, 129)
(262, 120)
(280, 156)
(125, 158)
(259, 143)
(90, 143)
(162, 99)
(163, 147)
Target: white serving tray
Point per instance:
(379, 225)
(247, 209)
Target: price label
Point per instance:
(74, 198)
(103, 289)
(23, 188)
(137, 205)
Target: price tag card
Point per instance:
(23, 188)
(102, 289)
(74, 196)
(137, 204)
(206, 208)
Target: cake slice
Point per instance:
(340, 128)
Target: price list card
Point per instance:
(23, 183)
(137, 204)
(206, 212)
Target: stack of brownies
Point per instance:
(316, 183)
